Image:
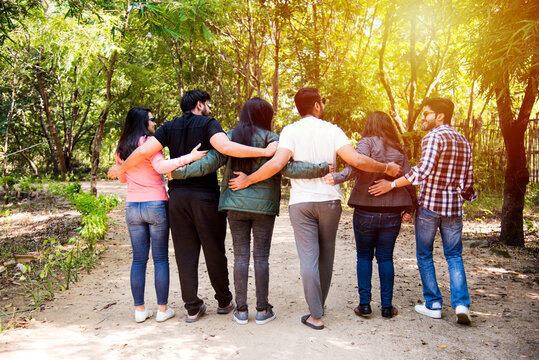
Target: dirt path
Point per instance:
(94, 319)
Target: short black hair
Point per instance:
(305, 99)
(441, 106)
(191, 98)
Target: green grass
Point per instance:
(485, 206)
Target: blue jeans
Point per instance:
(375, 231)
(148, 220)
(426, 225)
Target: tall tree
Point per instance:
(506, 58)
(417, 40)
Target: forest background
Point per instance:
(70, 70)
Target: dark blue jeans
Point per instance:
(147, 223)
(375, 235)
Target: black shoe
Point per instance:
(363, 310)
(389, 312)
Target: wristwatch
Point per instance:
(393, 184)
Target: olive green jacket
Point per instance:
(262, 197)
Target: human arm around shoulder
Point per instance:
(225, 146)
(207, 165)
(363, 147)
(365, 163)
(163, 166)
(270, 168)
(149, 148)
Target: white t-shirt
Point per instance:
(313, 140)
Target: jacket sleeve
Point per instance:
(346, 174)
(305, 170)
(208, 164)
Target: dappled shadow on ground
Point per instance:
(94, 319)
(27, 224)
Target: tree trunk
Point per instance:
(30, 162)
(43, 93)
(381, 73)
(413, 76)
(98, 138)
(275, 80)
(316, 52)
(516, 174)
(469, 115)
(9, 116)
(49, 140)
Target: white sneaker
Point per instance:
(140, 316)
(164, 315)
(424, 310)
(463, 315)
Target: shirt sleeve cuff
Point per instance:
(412, 177)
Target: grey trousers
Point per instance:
(315, 229)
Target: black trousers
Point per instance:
(195, 223)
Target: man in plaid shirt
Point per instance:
(445, 173)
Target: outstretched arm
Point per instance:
(210, 163)
(272, 167)
(222, 143)
(365, 163)
(305, 170)
(150, 147)
(163, 166)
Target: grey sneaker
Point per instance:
(241, 317)
(262, 318)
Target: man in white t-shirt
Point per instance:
(315, 207)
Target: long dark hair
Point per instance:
(136, 125)
(255, 113)
(379, 124)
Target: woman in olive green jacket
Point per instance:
(253, 208)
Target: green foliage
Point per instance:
(485, 206)
(29, 183)
(236, 50)
(68, 190)
(10, 181)
(60, 264)
(94, 227)
(532, 195)
(93, 209)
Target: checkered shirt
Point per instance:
(445, 171)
